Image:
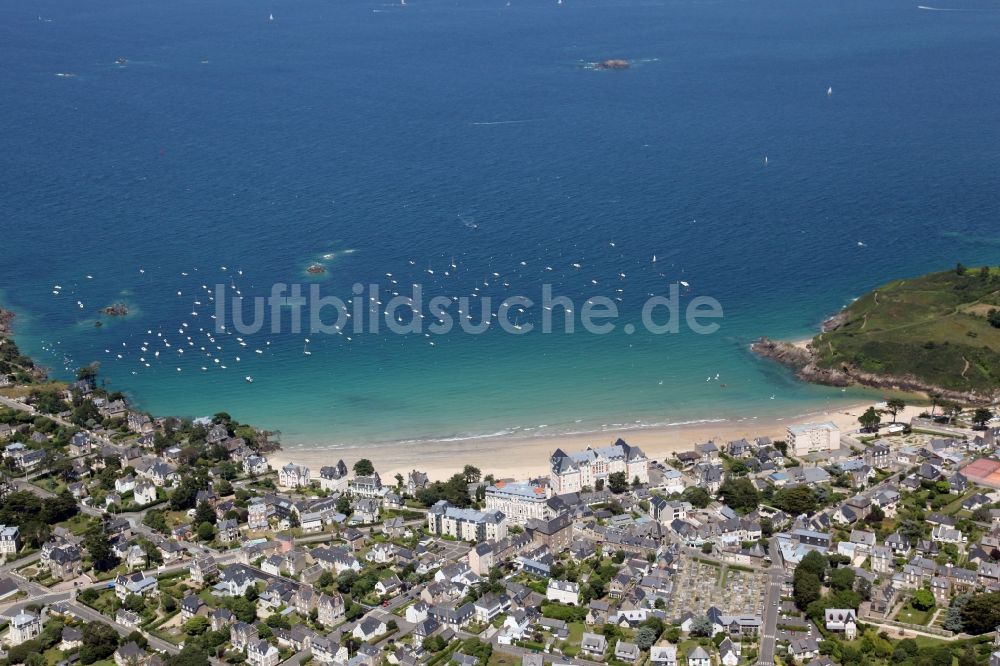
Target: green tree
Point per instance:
(645, 637)
(344, 505)
(894, 406)
(206, 531)
(842, 578)
(364, 467)
(701, 626)
(99, 642)
(99, 547)
(981, 416)
(905, 650)
(953, 618)
(795, 500)
(156, 520)
(205, 513)
(697, 496)
(617, 482)
(472, 474)
(739, 494)
(981, 613)
(806, 588)
(196, 625)
(870, 420)
(922, 600)
(193, 654)
(815, 563)
(88, 373)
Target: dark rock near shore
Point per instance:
(6, 322)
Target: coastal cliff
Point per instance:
(933, 334)
(804, 361)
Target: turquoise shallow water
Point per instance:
(473, 133)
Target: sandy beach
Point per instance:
(524, 457)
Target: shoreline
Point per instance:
(522, 457)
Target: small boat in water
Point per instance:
(249, 379)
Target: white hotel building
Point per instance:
(574, 471)
(520, 501)
(813, 438)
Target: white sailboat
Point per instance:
(305, 348)
(829, 91)
(270, 17)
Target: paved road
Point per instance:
(88, 613)
(772, 603)
(20, 406)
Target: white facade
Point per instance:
(144, 493)
(570, 473)
(10, 540)
(563, 591)
(293, 476)
(813, 438)
(24, 627)
(466, 524)
(520, 501)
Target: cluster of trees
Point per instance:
(870, 420)
(980, 613)
(455, 491)
(98, 546)
(697, 496)
(808, 580)
(795, 500)
(34, 516)
(739, 494)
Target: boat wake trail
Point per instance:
(507, 122)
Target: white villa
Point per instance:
(563, 591)
(293, 476)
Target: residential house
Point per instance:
(334, 477)
(262, 653)
(698, 657)
(842, 620)
(24, 626)
(293, 476)
(144, 492)
(564, 592)
(594, 644)
(134, 583)
(369, 628)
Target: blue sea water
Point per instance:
(400, 139)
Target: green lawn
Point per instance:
(911, 615)
(78, 524)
